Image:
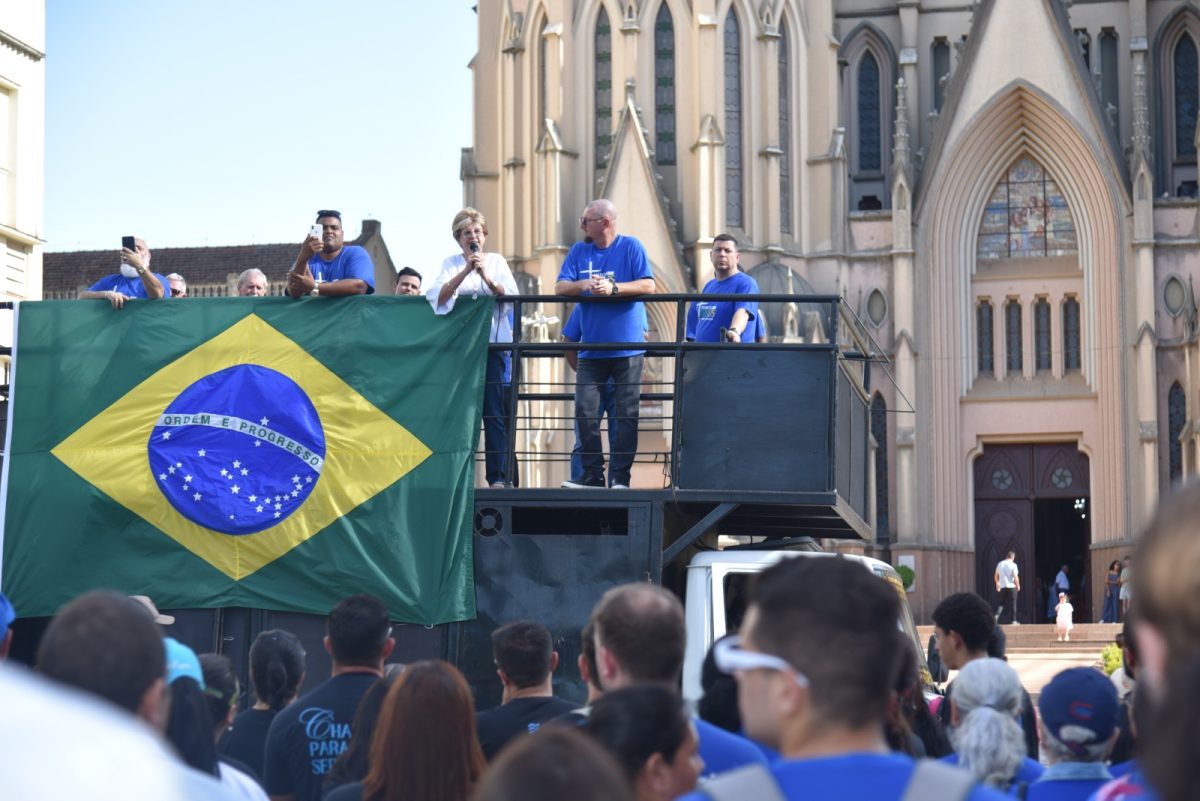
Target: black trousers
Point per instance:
(1008, 601)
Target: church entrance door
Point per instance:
(1033, 499)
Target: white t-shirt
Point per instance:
(1008, 574)
(498, 270)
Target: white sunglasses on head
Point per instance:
(731, 657)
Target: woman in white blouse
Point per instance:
(474, 272)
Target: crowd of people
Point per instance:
(817, 696)
(605, 263)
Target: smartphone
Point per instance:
(129, 242)
(315, 230)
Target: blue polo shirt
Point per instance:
(706, 318)
(626, 259)
(351, 261)
(129, 287)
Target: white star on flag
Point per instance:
(264, 421)
(308, 479)
(245, 472)
(166, 435)
(295, 479)
(278, 506)
(277, 514)
(186, 488)
(252, 499)
(224, 472)
(236, 463)
(257, 443)
(171, 469)
(201, 452)
(258, 508)
(162, 476)
(196, 496)
(187, 479)
(295, 493)
(234, 489)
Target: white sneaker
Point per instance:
(1016, 622)
(619, 486)
(1067, 638)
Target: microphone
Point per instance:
(474, 247)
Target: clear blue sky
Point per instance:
(228, 123)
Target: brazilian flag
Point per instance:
(256, 452)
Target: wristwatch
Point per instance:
(613, 291)
(315, 291)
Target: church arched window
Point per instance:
(1071, 346)
(1041, 334)
(664, 87)
(785, 132)
(880, 433)
(1026, 216)
(1177, 75)
(1176, 418)
(1013, 358)
(603, 89)
(941, 71)
(985, 347)
(870, 133)
(733, 120)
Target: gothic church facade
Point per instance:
(1003, 190)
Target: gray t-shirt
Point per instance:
(1008, 574)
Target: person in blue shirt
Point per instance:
(724, 320)
(134, 281)
(607, 264)
(328, 267)
(816, 660)
(639, 634)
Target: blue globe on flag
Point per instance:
(239, 450)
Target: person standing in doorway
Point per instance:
(1008, 584)
(1061, 585)
(1126, 594)
(1112, 586)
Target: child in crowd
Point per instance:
(1063, 623)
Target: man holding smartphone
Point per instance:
(327, 267)
(135, 279)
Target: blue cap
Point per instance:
(1079, 707)
(7, 614)
(182, 661)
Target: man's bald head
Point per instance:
(640, 631)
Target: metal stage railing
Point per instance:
(538, 414)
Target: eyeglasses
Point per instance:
(590, 220)
(731, 657)
(329, 213)
(178, 293)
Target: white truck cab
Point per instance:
(716, 601)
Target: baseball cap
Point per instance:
(7, 614)
(159, 617)
(1079, 707)
(182, 661)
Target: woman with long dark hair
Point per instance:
(1112, 589)
(276, 672)
(425, 747)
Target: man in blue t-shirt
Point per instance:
(724, 320)
(815, 662)
(134, 281)
(639, 637)
(328, 267)
(607, 264)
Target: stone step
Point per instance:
(1043, 635)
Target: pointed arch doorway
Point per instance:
(1034, 499)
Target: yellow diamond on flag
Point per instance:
(312, 450)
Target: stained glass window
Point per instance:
(880, 433)
(983, 326)
(604, 110)
(1187, 95)
(1041, 333)
(941, 71)
(785, 134)
(1014, 362)
(664, 87)
(733, 120)
(1027, 215)
(1071, 349)
(1176, 417)
(870, 127)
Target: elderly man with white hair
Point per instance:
(252, 283)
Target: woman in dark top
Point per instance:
(425, 746)
(276, 671)
(1112, 588)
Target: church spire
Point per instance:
(901, 155)
(1140, 140)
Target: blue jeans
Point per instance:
(496, 406)
(590, 381)
(1111, 605)
(577, 452)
